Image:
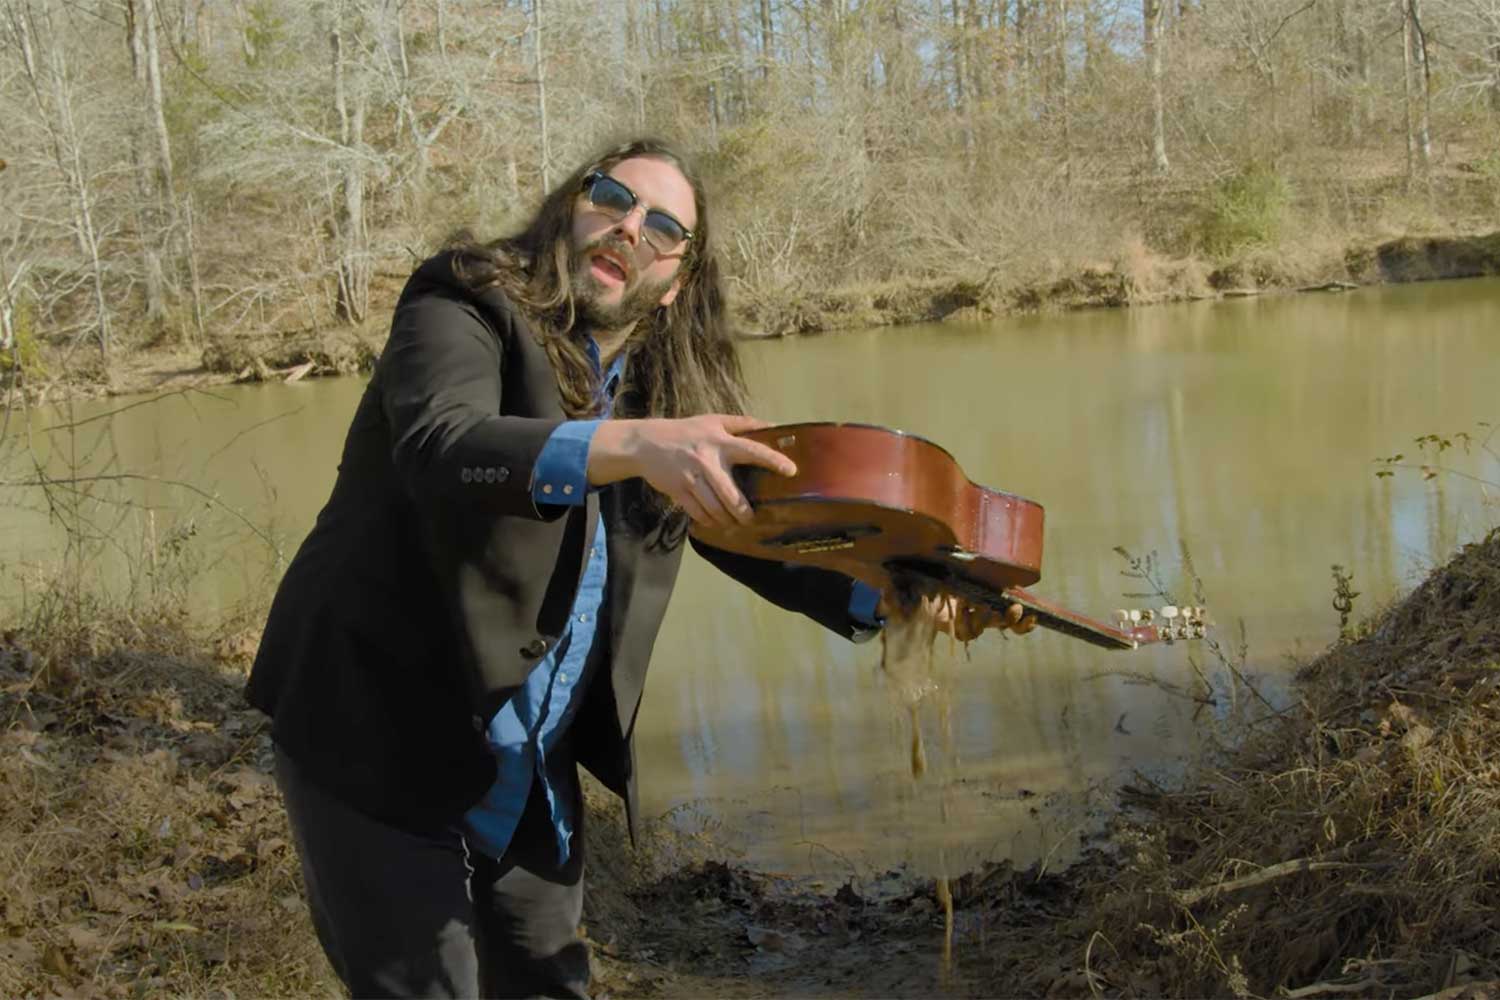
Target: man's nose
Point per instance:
(629, 225)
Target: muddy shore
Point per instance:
(331, 351)
(1346, 845)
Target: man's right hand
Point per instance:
(690, 460)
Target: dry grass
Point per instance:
(1350, 845)
(144, 850)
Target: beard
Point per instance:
(640, 297)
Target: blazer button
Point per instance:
(502, 474)
(478, 723)
(534, 648)
(489, 475)
(466, 475)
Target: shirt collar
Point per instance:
(609, 384)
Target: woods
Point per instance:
(180, 170)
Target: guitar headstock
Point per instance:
(1167, 624)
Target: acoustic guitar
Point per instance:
(894, 509)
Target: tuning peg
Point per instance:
(1122, 616)
(1135, 615)
(1169, 612)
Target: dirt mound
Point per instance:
(1350, 845)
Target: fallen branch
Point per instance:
(1318, 989)
(1285, 868)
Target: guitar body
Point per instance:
(889, 508)
(864, 497)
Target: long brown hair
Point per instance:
(681, 360)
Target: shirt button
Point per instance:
(583, 618)
(563, 678)
(596, 550)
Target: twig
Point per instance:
(1194, 896)
(44, 482)
(1088, 970)
(1318, 989)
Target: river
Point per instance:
(1244, 432)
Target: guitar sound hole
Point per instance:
(820, 537)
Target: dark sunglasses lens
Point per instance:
(663, 232)
(610, 195)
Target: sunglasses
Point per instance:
(661, 231)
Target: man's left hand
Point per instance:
(965, 621)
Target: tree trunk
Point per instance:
(1094, 46)
(767, 39)
(148, 209)
(1063, 106)
(960, 81)
(978, 84)
(350, 234)
(544, 146)
(1345, 101)
(1151, 14)
(1414, 92)
(635, 51)
(247, 41)
(1495, 69)
(1424, 86)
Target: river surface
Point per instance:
(1243, 432)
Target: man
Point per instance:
(473, 612)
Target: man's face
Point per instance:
(618, 277)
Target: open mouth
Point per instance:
(609, 268)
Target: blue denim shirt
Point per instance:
(533, 722)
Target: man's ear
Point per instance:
(670, 294)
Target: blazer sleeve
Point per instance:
(820, 594)
(441, 378)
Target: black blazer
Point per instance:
(431, 583)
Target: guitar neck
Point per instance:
(1090, 630)
(1136, 630)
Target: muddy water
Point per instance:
(1243, 430)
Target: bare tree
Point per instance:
(544, 143)
(152, 150)
(1151, 19)
(350, 234)
(50, 81)
(1415, 88)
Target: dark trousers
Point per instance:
(401, 914)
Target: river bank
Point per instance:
(1345, 845)
(1135, 277)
